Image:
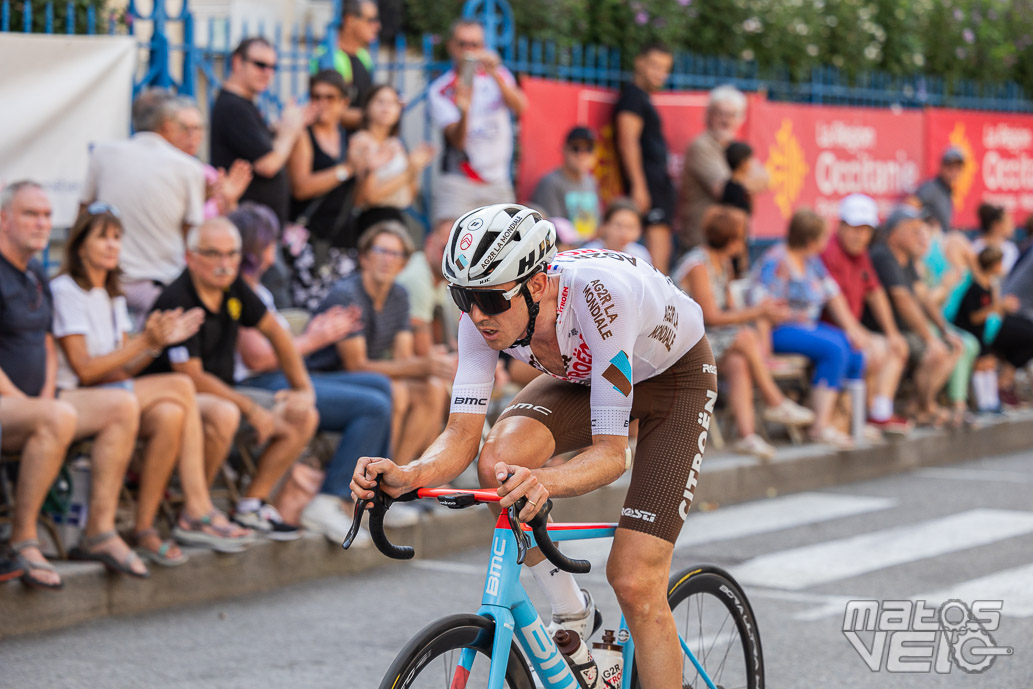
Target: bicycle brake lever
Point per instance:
(522, 541)
(360, 508)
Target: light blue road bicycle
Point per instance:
(500, 645)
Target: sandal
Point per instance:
(834, 437)
(85, 552)
(31, 565)
(161, 555)
(205, 533)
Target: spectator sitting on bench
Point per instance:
(91, 322)
(933, 350)
(794, 272)
(420, 384)
(211, 281)
(705, 273)
(36, 423)
(355, 404)
(846, 259)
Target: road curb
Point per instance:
(90, 593)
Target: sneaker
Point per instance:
(788, 413)
(585, 623)
(833, 437)
(894, 425)
(266, 521)
(326, 515)
(754, 445)
(1009, 398)
(400, 515)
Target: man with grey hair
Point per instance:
(705, 171)
(159, 194)
(212, 281)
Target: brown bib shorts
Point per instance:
(673, 408)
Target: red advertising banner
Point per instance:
(998, 169)
(559, 106)
(816, 155)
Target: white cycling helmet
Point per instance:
(496, 244)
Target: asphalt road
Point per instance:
(962, 532)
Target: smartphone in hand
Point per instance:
(466, 71)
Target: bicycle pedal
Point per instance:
(457, 501)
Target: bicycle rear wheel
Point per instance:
(431, 658)
(715, 620)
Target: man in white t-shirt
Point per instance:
(472, 105)
(159, 192)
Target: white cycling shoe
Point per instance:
(585, 623)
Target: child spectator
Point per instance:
(990, 317)
(739, 155)
(571, 191)
(621, 229)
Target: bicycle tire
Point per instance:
(414, 665)
(688, 591)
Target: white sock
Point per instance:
(985, 385)
(559, 588)
(882, 408)
(248, 504)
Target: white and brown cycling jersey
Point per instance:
(619, 321)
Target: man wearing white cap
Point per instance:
(846, 258)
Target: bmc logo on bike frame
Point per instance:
(498, 548)
(553, 669)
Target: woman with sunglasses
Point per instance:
(322, 180)
(91, 325)
(394, 173)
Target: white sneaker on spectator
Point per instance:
(788, 413)
(401, 515)
(754, 445)
(326, 515)
(266, 521)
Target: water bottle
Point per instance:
(858, 408)
(578, 658)
(609, 657)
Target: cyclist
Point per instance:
(618, 341)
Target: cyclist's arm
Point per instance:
(449, 455)
(598, 466)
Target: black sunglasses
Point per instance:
(491, 302)
(262, 65)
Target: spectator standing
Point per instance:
(706, 171)
(224, 186)
(385, 342)
(322, 181)
(159, 191)
(91, 325)
(240, 132)
(360, 23)
(211, 281)
(642, 150)
(705, 273)
(472, 104)
(393, 180)
(621, 230)
(996, 228)
(794, 272)
(355, 405)
(37, 424)
(571, 191)
(936, 193)
(846, 259)
(934, 350)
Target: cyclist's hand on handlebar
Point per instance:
(521, 483)
(393, 479)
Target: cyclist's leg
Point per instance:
(674, 411)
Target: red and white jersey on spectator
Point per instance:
(619, 321)
(489, 127)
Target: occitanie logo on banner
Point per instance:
(963, 185)
(787, 167)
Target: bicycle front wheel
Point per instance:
(431, 660)
(716, 622)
